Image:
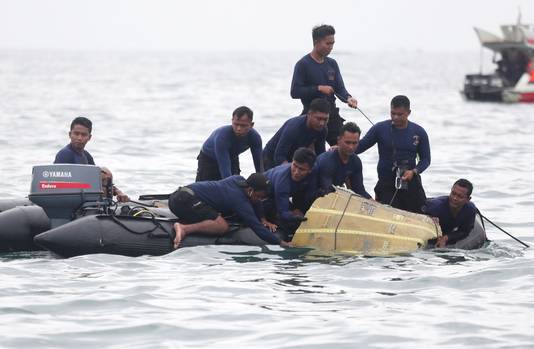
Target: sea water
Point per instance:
(152, 111)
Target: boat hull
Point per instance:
(18, 227)
(22, 221)
(492, 88)
(7, 204)
(130, 236)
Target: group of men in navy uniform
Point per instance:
(294, 167)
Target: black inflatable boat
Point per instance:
(68, 214)
(131, 236)
(19, 225)
(71, 217)
(476, 239)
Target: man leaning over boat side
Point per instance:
(200, 207)
(400, 143)
(307, 131)
(341, 165)
(219, 157)
(292, 193)
(317, 76)
(455, 212)
(75, 153)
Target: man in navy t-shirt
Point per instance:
(400, 143)
(318, 76)
(342, 165)
(200, 207)
(75, 153)
(293, 188)
(307, 131)
(456, 213)
(219, 157)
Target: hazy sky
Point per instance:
(251, 25)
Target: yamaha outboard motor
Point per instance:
(65, 190)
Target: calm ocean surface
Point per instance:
(151, 113)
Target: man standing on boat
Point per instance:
(400, 143)
(75, 153)
(308, 130)
(317, 76)
(219, 157)
(342, 165)
(293, 187)
(456, 213)
(200, 207)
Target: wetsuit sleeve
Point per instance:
(247, 214)
(255, 149)
(288, 136)
(463, 229)
(424, 153)
(368, 140)
(356, 180)
(281, 198)
(325, 176)
(63, 157)
(221, 146)
(312, 190)
(341, 91)
(299, 89)
(430, 208)
(320, 146)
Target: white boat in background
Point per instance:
(513, 53)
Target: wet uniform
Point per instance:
(291, 136)
(219, 157)
(278, 207)
(332, 171)
(307, 75)
(399, 148)
(68, 155)
(202, 201)
(456, 228)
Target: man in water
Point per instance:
(200, 207)
(219, 157)
(75, 153)
(307, 130)
(291, 181)
(400, 143)
(342, 165)
(317, 76)
(455, 213)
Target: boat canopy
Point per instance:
(514, 36)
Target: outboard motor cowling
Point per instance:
(63, 189)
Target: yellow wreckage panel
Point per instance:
(345, 222)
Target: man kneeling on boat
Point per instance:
(293, 190)
(200, 207)
(308, 130)
(456, 213)
(341, 165)
(219, 157)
